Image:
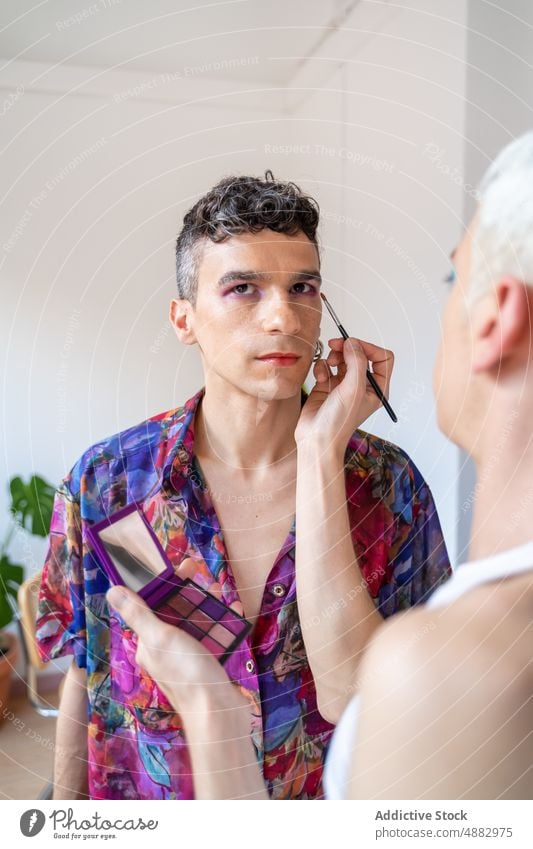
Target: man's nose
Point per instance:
(278, 312)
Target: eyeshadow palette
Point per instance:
(130, 554)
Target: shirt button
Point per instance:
(279, 589)
(250, 666)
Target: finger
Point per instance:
(382, 359)
(375, 353)
(237, 607)
(335, 358)
(348, 350)
(322, 373)
(132, 608)
(187, 568)
(354, 354)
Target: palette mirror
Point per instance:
(130, 553)
(132, 550)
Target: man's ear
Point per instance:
(181, 317)
(499, 321)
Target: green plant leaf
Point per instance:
(32, 503)
(11, 572)
(11, 577)
(6, 614)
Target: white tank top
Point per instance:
(464, 578)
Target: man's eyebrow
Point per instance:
(263, 275)
(452, 255)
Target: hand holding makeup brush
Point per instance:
(339, 403)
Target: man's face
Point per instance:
(258, 293)
(454, 384)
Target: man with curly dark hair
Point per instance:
(225, 479)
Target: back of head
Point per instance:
(504, 234)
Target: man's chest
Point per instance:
(255, 524)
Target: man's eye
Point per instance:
(450, 278)
(239, 286)
(312, 289)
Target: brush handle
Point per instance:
(374, 384)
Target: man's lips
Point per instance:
(277, 354)
(279, 358)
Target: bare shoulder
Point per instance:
(489, 628)
(452, 687)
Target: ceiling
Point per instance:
(260, 40)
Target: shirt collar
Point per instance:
(178, 465)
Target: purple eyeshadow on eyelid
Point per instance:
(213, 646)
(194, 594)
(221, 635)
(213, 608)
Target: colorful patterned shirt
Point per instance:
(137, 747)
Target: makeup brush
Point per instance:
(370, 377)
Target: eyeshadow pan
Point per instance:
(232, 622)
(181, 605)
(194, 594)
(167, 614)
(213, 646)
(202, 620)
(192, 629)
(213, 608)
(221, 635)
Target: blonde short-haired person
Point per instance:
(443, 704)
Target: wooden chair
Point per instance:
(25, 616)
(28, 594)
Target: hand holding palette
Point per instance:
(130, 554)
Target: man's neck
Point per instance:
(244, 434)
(503, 511)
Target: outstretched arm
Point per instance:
(337, 614)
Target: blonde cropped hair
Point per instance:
(503, 242)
